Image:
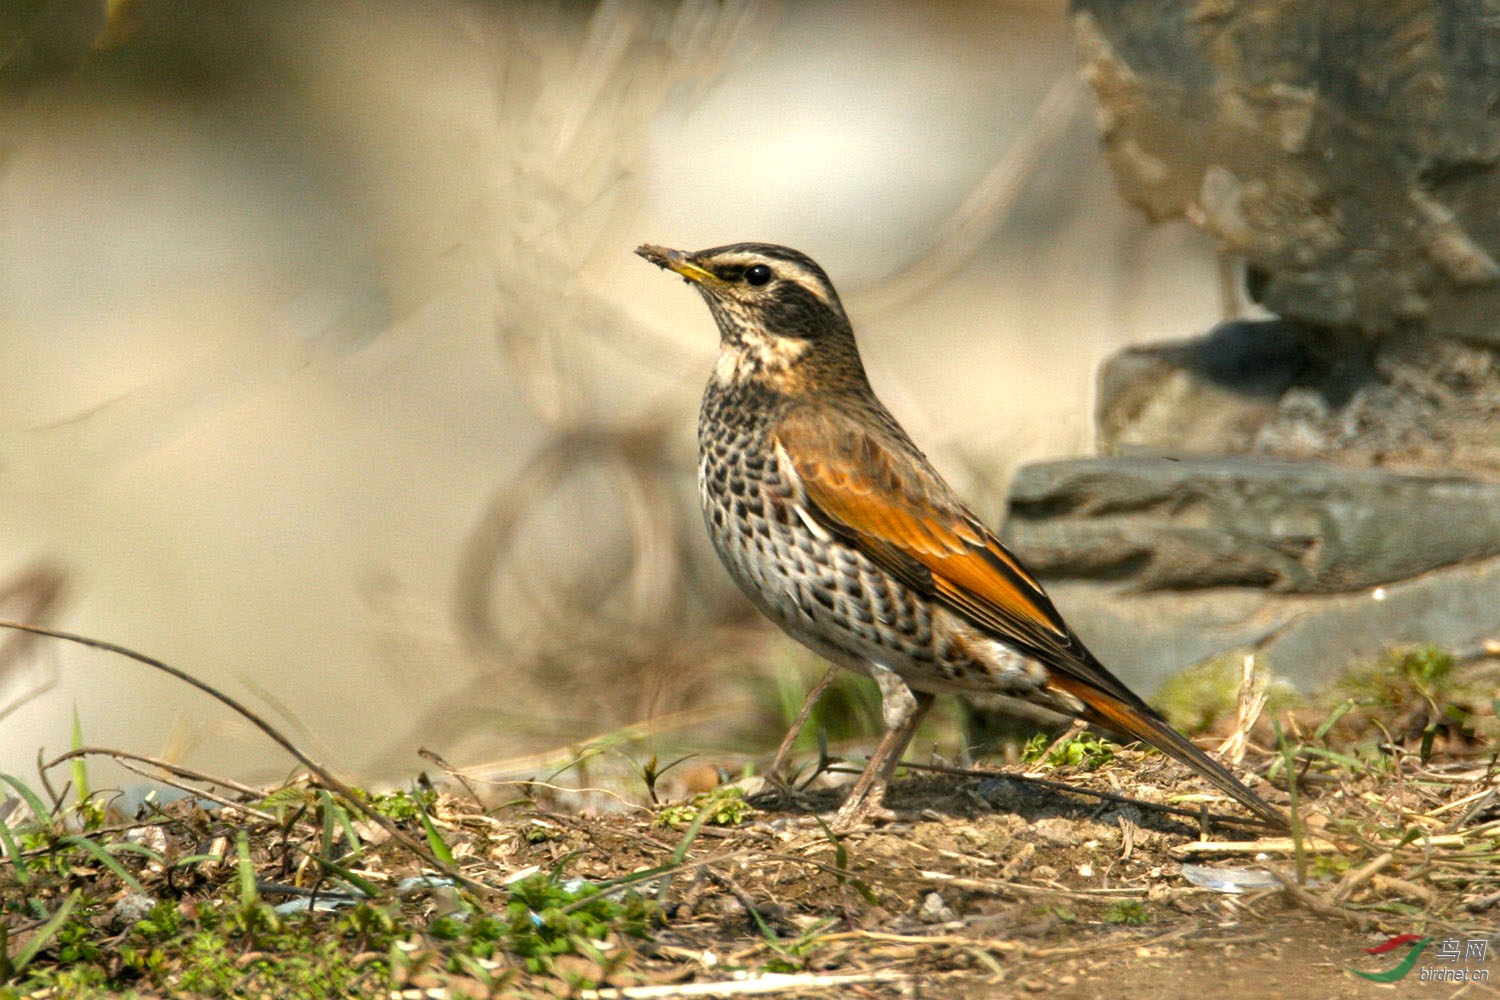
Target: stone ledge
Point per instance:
(1289, 527)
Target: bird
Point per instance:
(839, 529)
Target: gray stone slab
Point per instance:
(1290, 527)
(1307, 639)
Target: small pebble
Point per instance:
(1055, 830)
(935, 911)
(130, 910)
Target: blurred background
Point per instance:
(327, 373)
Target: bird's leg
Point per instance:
(773, 770)
(903, 710)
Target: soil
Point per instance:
(989, 888)
(982, 883)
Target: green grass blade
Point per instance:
(1352, 764)
(196, 859)
(335, 819)
(644, 875)
(44, 934)
(680, 854)
(102, 855)
(364, 885)
(134, 848)
(325, 834)
(691, 833)
(78, 765)
(32, 800)
(1333, 719)
(435, 842)
(13, 851)
(351, 836)
(249, 895)
(1288, 756)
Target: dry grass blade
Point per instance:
(987, 207)
(1197, 815)
(1253, 694)
(768, 984)
(773, 770)
(1274, 845)
(164, 765)
(322, 773)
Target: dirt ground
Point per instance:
(988, 887)
(984, 883)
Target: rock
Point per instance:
(1055, 830)
(1307, 640)
(130, 910)
(1289, 527)
(935, 911)
(1282, 390)
(1324, 484)
(1162, 564)
(1349, 153)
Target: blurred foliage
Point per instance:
(1205, 697)
(1420, 695)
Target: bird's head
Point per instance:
(778, 314)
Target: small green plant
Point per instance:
(1417, 693)
(546, 918)
(1329, 866)
(1427, 666)
(1399, 675)
(1127, 913)
(1085, 750)
(539, 832)
(726, 806)
(402, 805)
(792, 955)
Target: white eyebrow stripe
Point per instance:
(788, 270)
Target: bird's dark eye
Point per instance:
(757, 274)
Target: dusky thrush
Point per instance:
(840, 531)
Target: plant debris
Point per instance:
(1108, 876)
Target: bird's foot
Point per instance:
(863, 807)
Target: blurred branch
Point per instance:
(36, 592)
(575, 100)
(325, 776)
(988, 205)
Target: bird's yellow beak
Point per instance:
(676, 260)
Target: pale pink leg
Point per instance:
(903, 709)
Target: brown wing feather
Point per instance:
(885, 499)
(891, 504)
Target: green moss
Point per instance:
(1197, 699)
(726, 807)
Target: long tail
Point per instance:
(1105, 709)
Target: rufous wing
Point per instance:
(880, 494)
(876, 491)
